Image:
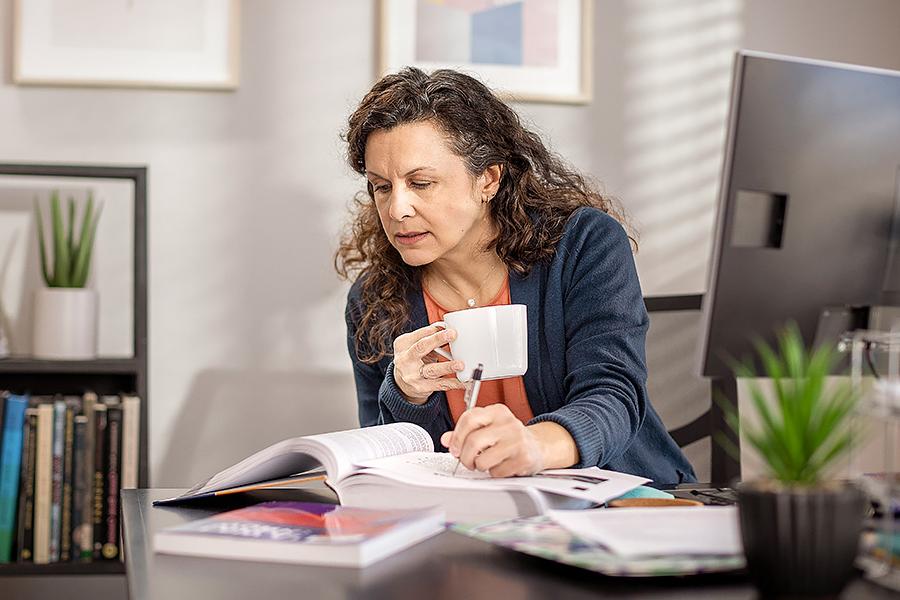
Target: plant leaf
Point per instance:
(39, 225)
(70, 242)
(771, 429)
(86, 245)
(838, 449)
(773, 460)
(60, 247)
(730, 447)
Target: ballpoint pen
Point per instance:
(471, 398)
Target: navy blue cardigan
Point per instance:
(586, 366)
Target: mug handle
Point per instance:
(443, 353)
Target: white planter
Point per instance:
(65, 324)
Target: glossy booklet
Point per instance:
(545, 538)
(302, 532)
(395, 466)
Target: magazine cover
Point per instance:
(308, 522)
(302, 532)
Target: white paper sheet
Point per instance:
(658, 531)
(434, 469)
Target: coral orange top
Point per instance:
(510, 392)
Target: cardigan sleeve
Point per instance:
(605, 324)
(379, 400)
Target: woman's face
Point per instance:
(429, 204)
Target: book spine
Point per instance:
(113, 466)
(25, 535)
(3, 396)
(43, 484)
(65, 526)
(131, 435)
(79, 491)
(97, 517)
(10, 468)
(89, 400)
(59, 426)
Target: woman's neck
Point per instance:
(465, 284)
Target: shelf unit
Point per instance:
(103, 375)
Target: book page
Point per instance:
(435, 469)
(352, 447)
(337, 452)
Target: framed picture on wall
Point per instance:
(127, 43)
(528, 50)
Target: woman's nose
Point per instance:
(401, 204)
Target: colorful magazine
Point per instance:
(542, 537)
(302, 532)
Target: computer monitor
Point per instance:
(808, 201)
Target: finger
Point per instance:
(477, 442)
(445, 438)
(408, 373)
(492, 457)
(470, 420)
(426, 345)
(444, 384)
(408, 339)
(426, 387)
(437, 370)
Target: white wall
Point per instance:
(247, 191)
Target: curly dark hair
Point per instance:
(538, 191)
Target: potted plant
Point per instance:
(65, 312)
(800, 527)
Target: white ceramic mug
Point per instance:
(495, 336)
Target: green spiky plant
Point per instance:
(71, 250)
(807, 427)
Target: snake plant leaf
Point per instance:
(71, 227)
(39, 225)
(730, 447)
(82, 265)
(820, 364)
(842, 445)
(60, 247)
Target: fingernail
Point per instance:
(450, 335)
(458, 366)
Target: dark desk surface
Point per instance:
(449, 566)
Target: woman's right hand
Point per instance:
(416, 369)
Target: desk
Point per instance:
(449, 566)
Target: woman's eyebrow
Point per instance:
(407, 174)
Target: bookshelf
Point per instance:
(103, 375)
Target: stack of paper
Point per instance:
(658, 531)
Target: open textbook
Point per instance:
(395, 466)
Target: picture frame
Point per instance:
(525, 50)
(127, 43)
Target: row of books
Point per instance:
(63, 462)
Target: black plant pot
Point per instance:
(800, 542)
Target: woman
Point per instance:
(465, 208)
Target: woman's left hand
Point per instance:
(492, 439)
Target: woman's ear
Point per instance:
(490, 182)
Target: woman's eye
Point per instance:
(381, 189)
(420, 184)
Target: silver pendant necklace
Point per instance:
(470, 302)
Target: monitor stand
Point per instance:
(724, 469)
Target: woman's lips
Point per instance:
(409, 239)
